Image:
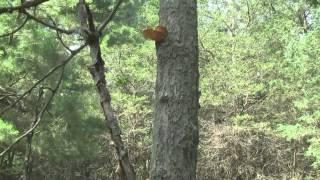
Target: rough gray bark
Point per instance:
(175, 126)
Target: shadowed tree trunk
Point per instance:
(175, 126)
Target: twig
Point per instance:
(248, 13)
(39, 118)
(62, 42)
(59, 36)
(15, 30)
(109, 18)
(18, 79)
(51, 71)
(61, 30)
(206, 50)
(28, 154)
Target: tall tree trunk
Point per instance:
(175, 126)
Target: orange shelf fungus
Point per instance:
(158, 34)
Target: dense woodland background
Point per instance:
(260, 91)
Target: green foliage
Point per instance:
(242, 119)
(314, 151)
(7, 132)
(260, 66)
(259, 69)
(295, 131)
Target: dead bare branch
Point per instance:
(97, 70)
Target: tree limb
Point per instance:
(61, 30)
(39, 117)
(60, 37)
(28, 154)
(109, 18)
(15, 30)
(25, 5)
(50, 72)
